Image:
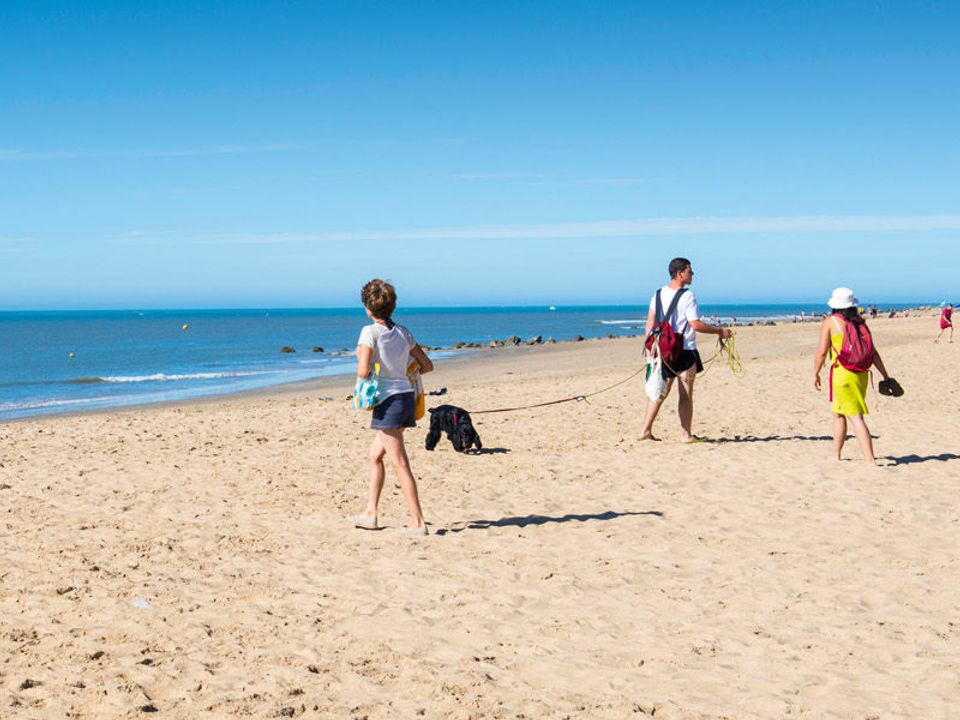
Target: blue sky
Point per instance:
(281, 153)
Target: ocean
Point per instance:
(55, 362)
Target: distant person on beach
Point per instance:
(391, 346)
(946, 321)
(686, 322)
(848, 388)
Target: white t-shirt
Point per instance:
(687, 312)
(391, 349)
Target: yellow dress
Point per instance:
(849, 388)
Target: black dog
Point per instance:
(456, 423)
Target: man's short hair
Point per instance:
(677, 266)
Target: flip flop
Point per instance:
(367, 522)
(890, 387)
(649, 437)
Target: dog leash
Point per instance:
(727, 349)
(578, 398)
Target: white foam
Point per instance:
(163, 377)
(45, 404)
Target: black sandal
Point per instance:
(890, 387)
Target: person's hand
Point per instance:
(816, 381)
(725, 333)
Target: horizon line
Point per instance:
(904, 304)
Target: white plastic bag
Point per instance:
(656, 386)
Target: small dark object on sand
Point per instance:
(438, 391)
(890, 387)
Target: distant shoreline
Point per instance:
(337, 386)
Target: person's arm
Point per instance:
(364, 354)
(651, 319)
(701, 327)
(417, 353)
(878, 363)
(822, 351)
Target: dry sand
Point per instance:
(195, 560)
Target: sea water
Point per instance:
(54, 362)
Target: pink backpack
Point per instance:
(856, 351)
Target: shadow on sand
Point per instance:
(525, 520)
(911, 459)
(774, 438)
(492, 451)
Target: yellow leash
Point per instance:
(727, 352)
(728, 355)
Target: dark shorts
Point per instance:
(687, 360)
(397, 411)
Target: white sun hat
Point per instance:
(842, 298)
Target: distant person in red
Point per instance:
(945, 322)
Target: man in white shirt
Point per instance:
(685, 321)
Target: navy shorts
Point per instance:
(397, 411)
(687, 360)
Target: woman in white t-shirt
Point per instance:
(390, 346)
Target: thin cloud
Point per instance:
(531, 180)
(480, 176)
(609, 182)
(600, 229)
(20, 155)
(13, 244)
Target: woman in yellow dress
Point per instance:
(849, 388)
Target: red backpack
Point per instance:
(856, 351)
(662, 334)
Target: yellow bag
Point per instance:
(413, 372)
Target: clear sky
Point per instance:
(267, 154)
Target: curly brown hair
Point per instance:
(380, 298)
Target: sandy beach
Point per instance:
(194, 560)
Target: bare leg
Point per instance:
(685, 405)
(652, 409)
(839, 433)
(375, 463)
(862, 432)
(392, 441)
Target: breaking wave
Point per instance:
(163, 377)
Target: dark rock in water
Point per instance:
(769, 323)
(577, 338)
(317, 348)
(513, 340)
(536, 340)
(287, 349)
(550, 340)
(611, 336)
(458, 345)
